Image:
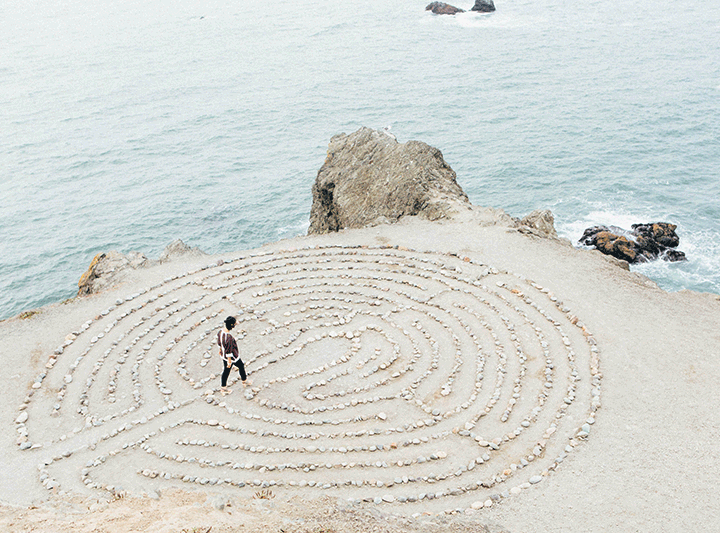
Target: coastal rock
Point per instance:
(105, 269)
(661, 232)
(483, 6)
(109, 268)
(370, 178)
(645, 242)
(441, 8)
(541, 222)
(178, 248)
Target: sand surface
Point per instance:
(404, 377)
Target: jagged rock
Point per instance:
(483, 6)
(541, 221)
(109, 269)
(370, 178)
(441, 8)
(646, 242)
(178, 248)
(106, 268)
(661, 232)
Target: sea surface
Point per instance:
(127, 124)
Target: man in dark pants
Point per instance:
(230, 355)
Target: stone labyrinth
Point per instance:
(417, 381)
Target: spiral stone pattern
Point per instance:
(413, 380)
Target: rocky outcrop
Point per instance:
(176, 249)
(368, 178)
(483, 6)
(645, 242)
(539, 222)
(110, 268)
(106, 268)
(441, 8)
(660, 232)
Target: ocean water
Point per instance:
(125, 124)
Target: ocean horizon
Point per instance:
(128, 125)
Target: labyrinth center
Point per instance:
(414, 380)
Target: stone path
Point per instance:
(417, 381)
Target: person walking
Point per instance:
(230, 355)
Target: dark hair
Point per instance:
(230, 322)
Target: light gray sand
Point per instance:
(484, 318)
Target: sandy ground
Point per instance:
(649, 463)
(183, 512)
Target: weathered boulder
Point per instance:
(483, 6)
(110, 268)
(441, 8)
(106, 268)
(645, 242)
(542, 222)
(369, 178)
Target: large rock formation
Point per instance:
(441, 8)
(645, 242)
(483, 6)
(110, 268)
(369, 178)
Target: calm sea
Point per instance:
(126, 124)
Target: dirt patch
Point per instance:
(183, 512)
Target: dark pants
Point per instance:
(226, 371)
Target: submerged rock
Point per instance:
(368, 178)
(441, 8)
(483, 6)
(645, 242)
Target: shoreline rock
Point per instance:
(110, 268)
(540, 222)
(106, 268)
(369, 178)
(643, 243)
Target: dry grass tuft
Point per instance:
(265, 494)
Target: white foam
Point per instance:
(573, 230)
(471, 19)
(293, 230)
